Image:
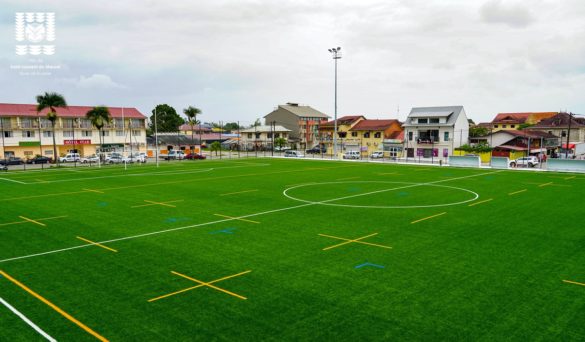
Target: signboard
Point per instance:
(29, 143)
(420, 152)
(77, 142)
(393, 141)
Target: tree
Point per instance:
(215, 146)
(280, 142)
(477, 131)
(51, 101)
(524, 126)
(167, 119)
(191, 113)
(231, 126)
(99, 117)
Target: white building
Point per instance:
(434, 132)
(260, 137)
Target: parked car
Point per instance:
(137, 158)
(525, 161)
(39, 160)
(119, 159)
(317, 150)
(178, 155)
(12, 161)
(351, 155)
(90, 159)
(377, 155)
(70, 157)
(281, 148)
(293, 154)
(194, 156)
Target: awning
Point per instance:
(570, 145)
(538, 150)
(510, 147)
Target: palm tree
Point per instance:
(51, 101)
(99, 117)
(191, 113)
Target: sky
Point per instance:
(238, 60)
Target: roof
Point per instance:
(261, 129)
(397, 135)
(373, 125)
(528, 134)
(560, 120)
(10, 109)
(451, 112)
(187, 127)
(511, 147)
(302, 111)
(529, 117)
(344, 120)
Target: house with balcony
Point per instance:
(373, 134)
(434, 132)
(27, 133)
(346, 140)
(302, 121)
(261, 137)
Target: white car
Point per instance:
(293, 154)
(70, 157)
(90, 159)
(137, 158)
(525, 161)
(377, 155)
(173, 154)
(351, 155)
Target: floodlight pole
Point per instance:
(155, 138)
(336, 55)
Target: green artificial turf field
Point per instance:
(274, 249)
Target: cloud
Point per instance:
(511, 14)
(98, 81)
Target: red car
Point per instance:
(194, 156)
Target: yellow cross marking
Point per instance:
(92, 190)
(476, 203)
(97, 244)
(201, 284)
(239, 192)
(33, 221)
(545, 184)
(570, 177)
(352, 240)
(236, 218)
(150, 203)
(426, 218)
(517, 192)
(387, 173)
(573, 282)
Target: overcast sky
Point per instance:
(237, 60)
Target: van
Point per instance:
(351, 155)
(173, 154)
(293, 154)
(70, 157)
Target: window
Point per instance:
(549, 132)
(269, 135)
(512, 126)
(67, 134)
(446, 136)
(119, 123)
(354, 134)
(119, 133)
(105, 133)
(249, 135)
(276, 135)
(86, 133)
(47, 134)
(434, 120)
(423, 121)
(136, 132)
(28, 134)
(410, 136)
(377, 135)
(366, 134)
(8, 134)
(503, 126)
(84, 123)
(48, 152)
(495, 126)
(28, 153)
(257, 135)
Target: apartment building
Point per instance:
(302, 121)
(26, 133)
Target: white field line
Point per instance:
(27, 321)
(223, 220)
(12, 180)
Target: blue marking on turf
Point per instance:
(225, 231)
(402, 194)
(176, 219)
(369, 264)
(353, 189)
(102, 204)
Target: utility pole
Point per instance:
(336, 53)
(568, 136)
(155, 138)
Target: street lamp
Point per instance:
(336, 54)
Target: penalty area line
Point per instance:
(27, 321)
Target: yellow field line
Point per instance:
(91, 190)
(54, 307)
(545, 184)
(151, 203)
(9, 223)
(239, 192)
(348, 240)
(194, 287)
(209, 285)
(51, 218)
(387, 173)
(573, 282)
(236, 218)
(33, 221)
(97, 244)
(45, 195)
(476, 203)
(347, 178)
(40, 180)
(517, 192)
(426, 218)
(570, 177)
(40, 219)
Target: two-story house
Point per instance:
(432, 132)
(346, 140)
(373, 133)
(260, 137)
